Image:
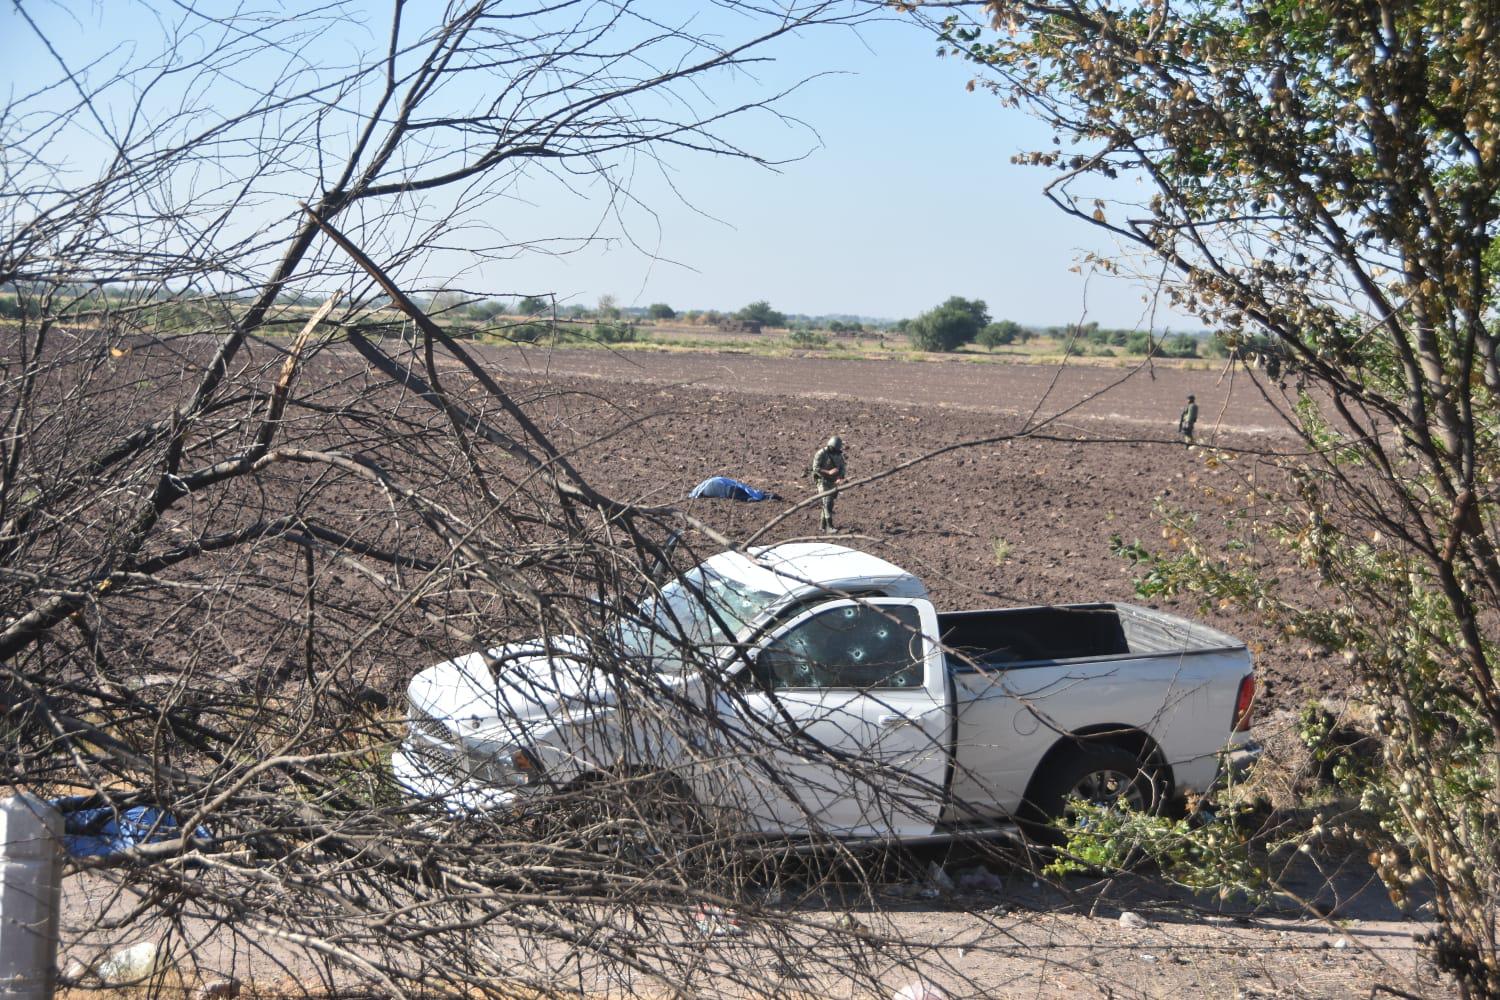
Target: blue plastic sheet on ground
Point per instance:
(724, 488)
(101, 831)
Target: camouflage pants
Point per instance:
(825, 497)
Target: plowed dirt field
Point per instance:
(1043, 465)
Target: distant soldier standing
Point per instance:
(1188, 418)
(827, 471)
(1273, 365)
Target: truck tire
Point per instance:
(667, 803)
(1098, 773)
(638, 814)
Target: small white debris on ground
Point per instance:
(939, 879)
(130, 965)
(221, 988)
(919, 990)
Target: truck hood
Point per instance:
(530, 688)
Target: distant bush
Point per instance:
(613, 333)
(1217, 346)
(804, 337)
(11, 308)
(1093, 333)
(1092, 350)
(998, 334)
(660, 310)
(762, 313)
(526, 333)
(951, 325)
(1177, 345)
(1182, 345)
(181, 315)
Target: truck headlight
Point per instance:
(505, 765)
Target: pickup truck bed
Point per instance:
(1027, 682)
(1012, 637)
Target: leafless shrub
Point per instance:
(224, 542)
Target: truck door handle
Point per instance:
(895, 721)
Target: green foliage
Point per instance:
(1218, 346)
(1100, 337)
(803, 337)
(11, 308)
(183, 315)
(951, 325)
(526, 333)
(998, 334)
(1206, 851)
(660, 310)
(533, 305)
(613, 333)
(761, 312)
(1181, 345)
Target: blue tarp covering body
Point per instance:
(100, 831)
(724, 488)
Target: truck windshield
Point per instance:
(698, 611)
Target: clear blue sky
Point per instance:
(910, 198)
(906, 195)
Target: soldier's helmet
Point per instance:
(836, 443)
(1190, 397)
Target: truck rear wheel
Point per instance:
(1099, 774)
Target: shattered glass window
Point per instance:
(693, 614)
(852, 646)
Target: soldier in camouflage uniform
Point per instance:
(1187, 419)
(827, 470)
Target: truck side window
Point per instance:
(847, 647)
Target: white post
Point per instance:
(30, 897)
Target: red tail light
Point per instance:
(1244, 704)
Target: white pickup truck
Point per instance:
(827, 694)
